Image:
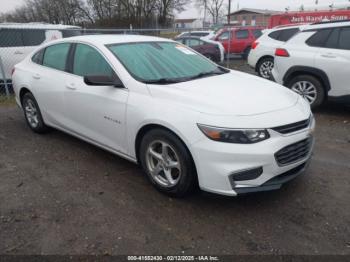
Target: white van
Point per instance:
(18, 40)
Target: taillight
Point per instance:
(13, 71)
(255, 44)
(281, 52)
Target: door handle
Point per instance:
(36, 76)
(328, 55)
(71, 86)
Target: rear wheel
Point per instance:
(310, 88)
(265, 67)
(32, 114)
(167, 163)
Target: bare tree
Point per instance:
(214, 7)
(105, 13)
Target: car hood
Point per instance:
(234, 93)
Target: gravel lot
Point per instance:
(59, 195)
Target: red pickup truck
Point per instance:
(240, 40)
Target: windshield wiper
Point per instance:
(218, 71)
(162, 81)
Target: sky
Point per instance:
(192, 11)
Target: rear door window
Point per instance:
(11, 38)
(33, 37)
(55, 56)
(333, 39)
(319, 38)
(242, 34)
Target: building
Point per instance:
(188, 23)
(253, 17)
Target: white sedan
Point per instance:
(187, 121)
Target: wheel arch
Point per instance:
(151, 126)
(22, 92)
(304, 70)
(262, 58)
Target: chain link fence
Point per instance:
(19, 40)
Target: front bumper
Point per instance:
(276, 182)
(217, 162)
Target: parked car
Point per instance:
(238, 40)
(210, 49)
(18, 40)
(261, 56)
(184, 119)
(315, 63)
(202, 34)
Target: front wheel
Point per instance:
(310, 88)
(167, 163)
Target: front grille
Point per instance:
(293, 153)
(286, 129)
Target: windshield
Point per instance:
(163, 62)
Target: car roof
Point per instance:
(243, 27)
(37, 26)
(288, 26)
(326, 24)
(198, 31)
(115, 39)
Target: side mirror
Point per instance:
(103, 80)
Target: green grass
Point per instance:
(7, 101)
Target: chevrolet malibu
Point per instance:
(187, 121)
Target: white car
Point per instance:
(315, 63)
(261, 56)
(18, 40)
(153, 101)
(208, 35)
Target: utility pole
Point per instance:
(229, 12)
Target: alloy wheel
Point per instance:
(163, 164)
(31, 113)
(266, 68)
(306, 89)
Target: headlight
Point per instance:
(237, 136)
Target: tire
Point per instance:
(183, 177)
(264, 67)
(33, 115)
(314, 91)
(246, 52)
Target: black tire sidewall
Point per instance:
(321, 94)
(263, 61)
(188, 180)
(246, 52)
(41, 128)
